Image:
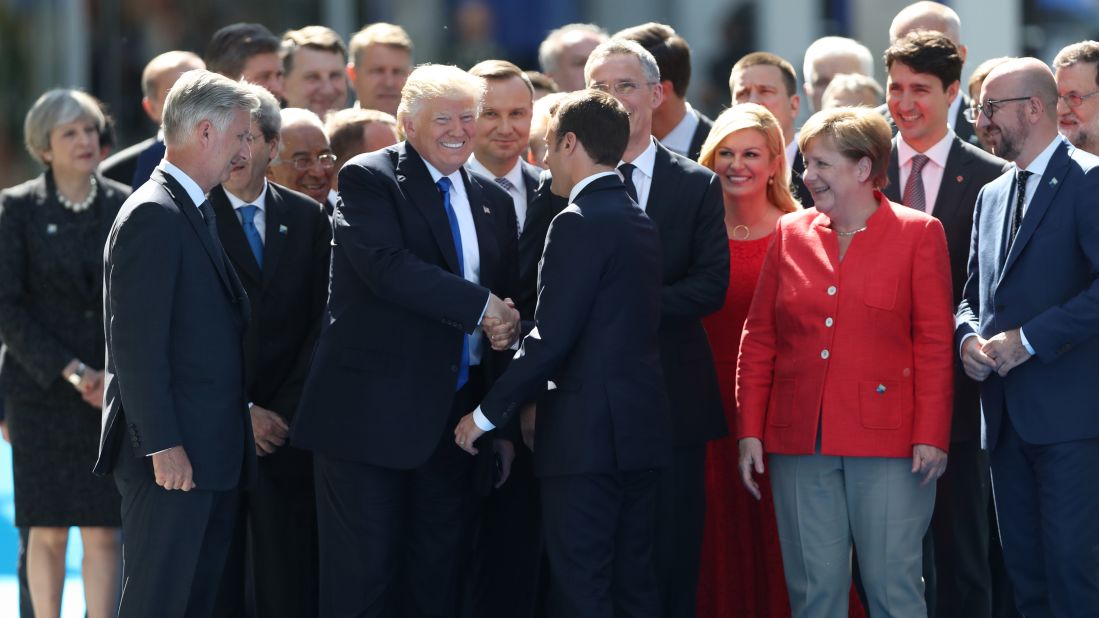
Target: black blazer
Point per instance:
(968, 169)
(701, 132)
(686, 205)
(174, 315)
(51, 286)
(382, 381)
(609, 411)
(541, 208)
(121, 166)
(287, 297)
(797, 183)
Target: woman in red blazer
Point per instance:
(845, 376)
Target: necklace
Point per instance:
(737, 232)
(851, 233)
(79, 207)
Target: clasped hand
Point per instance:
(500, 323)
(1001, 353)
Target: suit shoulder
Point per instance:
(1086, 161)
(296, 201)
(113, 189)
(383, 161)
(692, 169)
(28, 190)
(986, 160)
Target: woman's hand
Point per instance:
(927, 460)
(751, 458)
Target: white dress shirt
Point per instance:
(643, 173)
(260, 220)
(678, 140)
(519, 191)
(932, 170)
(791, 153)
(471, 251)
(952, 112)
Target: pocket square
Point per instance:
(282, 229)
(488, 211)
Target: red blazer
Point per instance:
(865, 345)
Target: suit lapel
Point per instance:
(275, 231)
(486, 237)
(892, 190)
(1051, 182)
(232, 236)
(954, 182)
(664, 188)
(415, 181)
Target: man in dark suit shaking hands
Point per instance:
(1026, 328)
(423, 254)
(603, 431)
(176, 431)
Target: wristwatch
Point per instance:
(76, 378)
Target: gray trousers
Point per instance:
(823, 503)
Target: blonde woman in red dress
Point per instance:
(741, 569)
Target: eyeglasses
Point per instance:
(246, 138)
(623, 88)
(304, 162)
(1076, 100)
(989, 107)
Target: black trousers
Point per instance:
(599, 537)
(174, 544)
(271, 570)
(680, 519)
(391, 540)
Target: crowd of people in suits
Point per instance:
(507, 343)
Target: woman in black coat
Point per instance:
(52, 232)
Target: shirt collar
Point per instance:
(190, 186)
(455, 178)
(514, 176)
(580, 186)
(937, 153)
(952, 112)
(260, 202)
(792, 151)
(1040, 162)
(646, 160)
(679, 138)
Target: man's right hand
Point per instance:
(976, 363)
(269, 430)
(172, 469)
(500, 323)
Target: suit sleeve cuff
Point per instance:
(1026, 344)
(484, 309)
(482, 421)
(160, 451)
(965, 337)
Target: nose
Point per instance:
(753, 96)
(1062, 107)
(982, 120)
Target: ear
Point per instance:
(272, 150)
(658, 95)
(863, 169)
(952, 92)
(406, 124)
(962, 51)
(667, 90)
(795, 105)
(147, 105)
(204, 131)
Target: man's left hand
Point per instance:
(466, 433)
(1007, 350)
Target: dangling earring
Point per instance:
(771, 181)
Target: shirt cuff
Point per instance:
(484, 309)
(160, 451)
(1026, 344)
(482, 421)
(965, 337)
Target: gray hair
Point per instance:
(201, 95)
(629, 48)
(825, 47)
(57, 107)
(437, 81)
(267, 115)
(549, 52)
(296, 115)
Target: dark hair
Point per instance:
(232, 46)
(671, 51)
(925, 51)
(541, 81)
(500, 70)
(600, 123)
(1084, 51)
(754, 59)
(320, 38)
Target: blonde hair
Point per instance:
(437, 81)
(855, 132)
(381, 33)
(755, 117)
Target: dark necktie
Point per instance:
(211, 223)
(1021, 177)
(248, 223)
(506, 184)
(456, 233)
(626, 169)
(914, 196)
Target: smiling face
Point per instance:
(442, 131)
(74, 148)
(831, 177)
(303, 144)
(621, 76)
(744, 164)
(919, 105)
(1006, 130)
(379, 75)
(317, 81)
(503, 128)
(1080, 125)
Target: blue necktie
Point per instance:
(456, 232)
(248, 222)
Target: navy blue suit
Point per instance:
(606, 428)
(1042, 429)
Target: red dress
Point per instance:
(741, 566)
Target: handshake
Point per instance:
(500, 323)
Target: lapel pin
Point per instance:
(487, 211)
(1053, 182)
(51, 229)
(282, 229)
(959, 179)
(880, 389)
